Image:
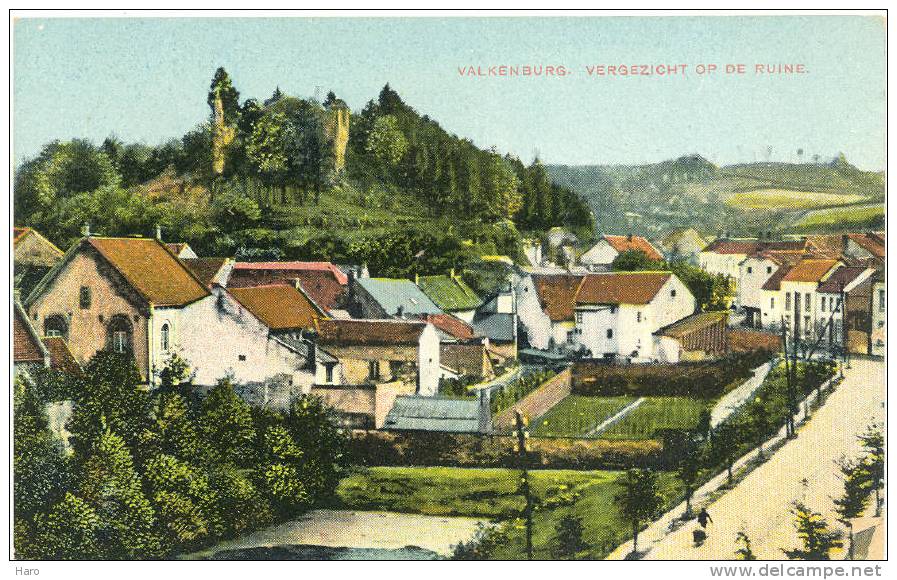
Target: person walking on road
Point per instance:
(704, 517)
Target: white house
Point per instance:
(879, 315)
(829, 302)
(617, 313)
(545, 305)
(600, 256)
(799, 297)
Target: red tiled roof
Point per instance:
(340, 276)
(621, 287)
(809, 270)
(61, 357)
(752, 246)
(26, 348)
(360, 332)
(450, 325)
(323, 288)
(18, 234)
(625, 243)
(152, 270)
(872, 243)
(557, 294)
(279, 307)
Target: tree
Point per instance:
(636, 260)
(184, 499)
(314, 427)
(502, 198)
(266, 148)
(111, 486)
(309, 149)
(812, 529)
(569, 532)
(72, 530)
(227, 425)
(222, 89)
(855, 496)
(724, 446)
(240, 506)
(280, 471)
(874, 462)
(639, 500)
(688, 468)
(172, 431)
(233, 211)
(760, 423)
(386, 141)
(744, 551)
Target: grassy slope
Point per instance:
(789, 199)
(492, 494)
(849, 217)
(577, 415)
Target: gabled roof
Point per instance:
(872, 243)
(557, 294)
(178, 247)
(206, 269)
(450, 325)
(621, 287)
(419, 413)
(279, 306)
(338, 274)
(496, 326)
(625, 243)
(363, 332)
(27, 346)
(809, 271)
(774, 282)
(19, 234)
(449, 293)
(842, 278)
(393, 294)
(752, 245)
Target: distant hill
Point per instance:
(741, 199)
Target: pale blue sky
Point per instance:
(147, 79)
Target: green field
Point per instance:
(657, 413)
(789, 199)
(576, 415)
(492, 494)
(858, 216)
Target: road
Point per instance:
(803, 469)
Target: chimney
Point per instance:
(85, 230)
(158, 232)
(484, 418)
(400, 311)
(629, 236)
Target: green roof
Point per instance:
(449, 293)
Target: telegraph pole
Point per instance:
(789, 382)
(524, 482)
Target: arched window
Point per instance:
(120, 333)
(56, 325)
(165, 336)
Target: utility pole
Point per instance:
(524, 482)
(789, 388)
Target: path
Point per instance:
(619, 415)
(734, 399)
(358, 529)
(802, 469)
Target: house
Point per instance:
(389, 297)
(755, 271)
(30, 351)
(723, 255)
(616, 314)
(442, 414)
(450, 294)
(496, 321)
(700, 336)
(865, 246)
(210, 271)
(683, 243)
(831, 296)
(33, 256)
(460, 351)
(879, 314)
(545, 305)
(325, 283)
(180, 249)
(798, 292)
(379, 351)
(600, 256)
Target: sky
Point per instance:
(146, 80)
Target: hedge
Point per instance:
(383, 448)
(706, 380)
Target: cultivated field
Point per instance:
(576, 415)
(658, 413)
(772, 199)
(844, 218)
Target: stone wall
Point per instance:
(537, 403)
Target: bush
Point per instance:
(700, 380)
(518, 389)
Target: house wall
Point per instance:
(465, 315)
(561, 334)
(806, 314)
(467, 359)
(726, 264)
(667, 349)
(857, 251)
(593, 324)
(879, 317)
(601, 254)
(88, 328)
(531, 316)
(428, 361)
(750, 283)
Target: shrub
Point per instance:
(518, 389)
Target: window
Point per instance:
(164, 336)
(772, 303)
(610, 333)
(373, 369)
(579, 318)
(84, 297)
(769, 269)
(613, 309)
(56, 325)
(881, 301)
(822, 306)
(241, 357)
(571, 337)
(787, 301)
(638, 316)
(750, 270)
(807, 302)
(328, 369)
(120, 333)
(673, 293)
(807, 325)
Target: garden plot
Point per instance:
(657, 413)
(577, 416)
